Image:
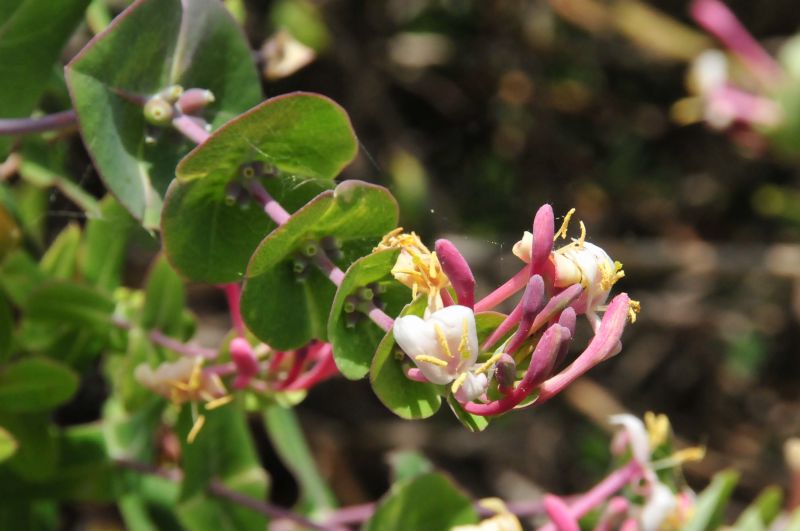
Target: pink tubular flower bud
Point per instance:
(505, 373)
(559, 514)
(532, 303)
(194, 100)
(244, 360)
(543, 232)
(458, 271)
(716, 18)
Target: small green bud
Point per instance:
(158, 111)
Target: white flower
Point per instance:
(443, 346)
(659, 506)
(180, 381)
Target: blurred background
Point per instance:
(474, 113)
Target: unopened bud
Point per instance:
(505, 374)
(310, 249)
(350, 304)
(331, 247)
(251, 170)
(366, 294)
(300, 268)
(233, 191)
(171, 93)
(158, 111)
(194, 100)
(244, 360)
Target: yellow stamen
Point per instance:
(219, 402)
(424, 358)
(458, 382)
(657, 428)
(694, 453)
(562, 232)
(196, 427)
(582, 239)
(463, 345)
(634, 307)
(442, 340)
(489, 363)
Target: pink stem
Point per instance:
(716, 18)
(601, 492)
(272, 208)
(324, 368)
(543, 357)
(233, 293)
(190, 128)
(512, 285)
(505, 327)
(297, 367)
(50, 122)
(192, 351)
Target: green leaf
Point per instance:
(286, 436)
(10, 235)
(36, 384)
(429, 501)
(206, 512)
(300, 133)
(38, 454)
(405, 398)
(105, 243)
(32, 34)
(152, 45)
(165, 299)
(209, 240)
(760, 514)
(6, 329)
(710, 504)
(473, 423)
(20, 276)
(303, 20)
(8, 445)
(150, 505)
(354, 344)
(407, 464)
(223, 449)
(61, 259)
(285, 311)
(67, 302)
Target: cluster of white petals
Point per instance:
(444, 346)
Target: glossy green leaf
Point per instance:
(165, 299)
(61, 259)
(711, 503)
(36, 384)
(208, 240)
(8, 445)
(105, 243)
(32, 35)
(71, 303)
(287, 437)
(150, 505)
(280, 308)
(405, 398)
(10, 234)
(152, 45)
(299, 133)
(429, 501)
(354, 344)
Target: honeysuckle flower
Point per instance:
(185, 381)
(416, 267)
(579, 262)
(444, 347)
(663, 508)
(180, 381)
